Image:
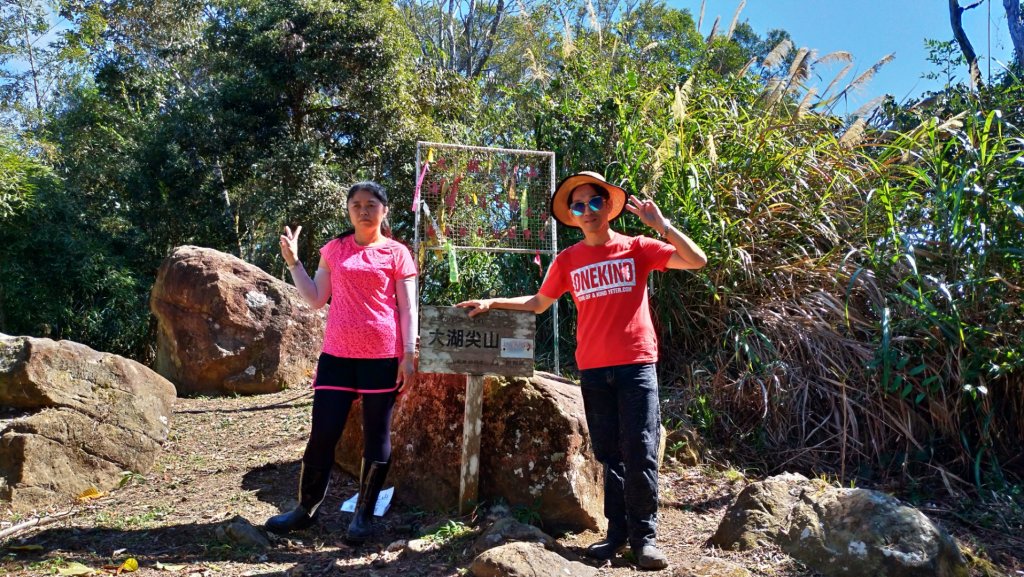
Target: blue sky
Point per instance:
(870, 29)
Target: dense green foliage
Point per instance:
(861, 312)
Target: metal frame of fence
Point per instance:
(422, 208)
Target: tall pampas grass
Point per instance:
(862, 80)
(775, 57)
(682, 98)
(534, 71)
(746, 67)
(839, 76)
(567, 43)
(854, 135)
(594, 22)
(735, 19)
(805, 103)
(800, 69)
(714, 31)
(868, 107)
(773, 92)
(835, 56)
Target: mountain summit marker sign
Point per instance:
(499, 342)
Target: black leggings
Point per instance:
(330, 411)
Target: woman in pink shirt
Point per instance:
(368, 351)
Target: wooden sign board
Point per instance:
(498, 342)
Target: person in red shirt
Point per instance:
(617, 348)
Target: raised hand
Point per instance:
(290, 245)
(649, 213)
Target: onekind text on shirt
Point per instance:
(604, 278)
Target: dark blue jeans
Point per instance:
(624, 419)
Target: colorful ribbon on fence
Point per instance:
(419, 184)
(438, 233)
(453, 264)
(524, 219)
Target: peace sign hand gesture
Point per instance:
(290, 245)
(649, 214)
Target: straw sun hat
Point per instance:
(560, 200)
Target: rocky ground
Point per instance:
(238, 457)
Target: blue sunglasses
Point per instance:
(595, 204)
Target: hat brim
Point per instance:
(560, 200)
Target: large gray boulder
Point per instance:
(224, 326)
(840, 532)
(83, 418)
(535, 449)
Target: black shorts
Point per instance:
(356, 375)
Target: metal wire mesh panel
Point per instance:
(491, 199)
(495, 200)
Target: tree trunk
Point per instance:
(32, 63)
(1016, 24)
(492, 33)
(956, 14)
(453, 63)
(230, 215)
(467, 33)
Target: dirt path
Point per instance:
(238, 456)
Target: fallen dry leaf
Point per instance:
(90, 494)
(75, 568)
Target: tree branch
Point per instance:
(467, 33)
(1016, 25)
(492, 32)
(33, 522)
(956, 14)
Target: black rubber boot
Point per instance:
(312, 490)
(371, 481)
(650, 557)
(605, 550)
(613, 544)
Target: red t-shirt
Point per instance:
(609, 286)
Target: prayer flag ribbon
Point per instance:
(419, 183)
(453, 264)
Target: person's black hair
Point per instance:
(601, 191)
(379, 193)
